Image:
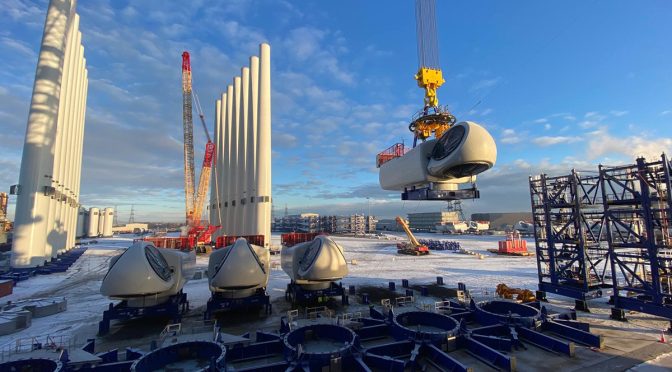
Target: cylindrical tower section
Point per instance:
(107, 225)
(252, 130)
(228, 129)
(264, 144)
(55, 226)
(101, 222)
(214, 179)
(235, 159)
(72, 124)
(223, 164)
(80, 141)
(82, 216)
(242, 152)
(94, 218)
(30, 222)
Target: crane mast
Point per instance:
(188, 126)
(194, 196)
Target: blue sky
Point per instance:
(559, 84)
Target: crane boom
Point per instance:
(188, 127)
(411, 237)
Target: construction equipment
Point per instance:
(522, 295)
(429, 76)
(413, 247)
(445, 167)
(194, 197)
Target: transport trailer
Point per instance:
(297, 294)
(174, 308)
(219, 303)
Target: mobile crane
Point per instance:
(413, 247)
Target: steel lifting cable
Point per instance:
(426, 33)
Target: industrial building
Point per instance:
(426, 221)
(387, 224)
(357, 224)
(502, 221)
(134, 228)
(47, 202)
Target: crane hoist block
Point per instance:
(429, 77)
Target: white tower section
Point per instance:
(241, 202)
(228, 169)
(94, 218)
(244, 163)
(263, 198)
(46, 208)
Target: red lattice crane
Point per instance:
(194, 196)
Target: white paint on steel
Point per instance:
(235, 159)
(32, 206)
(94, 217)
(264, 144)
(241, 202)
(252, 130)
(229, 159)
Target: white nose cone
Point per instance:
(323, 259)
(465, 150)
(238, 266)
(141, 270)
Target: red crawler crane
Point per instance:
(194, 197)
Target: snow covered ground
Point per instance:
(371, 262)
(376, 263)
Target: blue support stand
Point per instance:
(217, 303)
(174, 308)
(299, 295)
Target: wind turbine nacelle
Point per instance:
(464, 151)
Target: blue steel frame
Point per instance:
(174, 308)
(298, 295)
(638, 208)
(217, 303)
(571, 251)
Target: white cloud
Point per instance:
(509, 136)
(602, 143)
(555, 140)
(618, 113)
(547, 126)
(485, 84)
(666, 112)
(284, 140)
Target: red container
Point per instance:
(291, 239)
(226, 240)
(6, 287)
